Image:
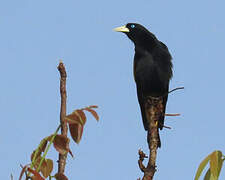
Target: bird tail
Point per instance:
(159, 140)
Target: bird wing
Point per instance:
(141, 101)
(140, 96)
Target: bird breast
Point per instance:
(148, 75)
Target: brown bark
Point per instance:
(64, 129)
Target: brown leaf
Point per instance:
(76, 131)
(37, 176)
(23, 171)
(60, 176)
(81, 114)
(93, 106)
(32, 155)
(93, 112)
(43, 165)
(61, 144)
(49, 138)
(43, 145)
(37, 162)
(75, 117)
(47, 167)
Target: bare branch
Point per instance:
(64, 129)
(175, 89)
(172, 114)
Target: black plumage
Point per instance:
(152, 66)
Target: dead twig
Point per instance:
(142, 156)
(172, 114)
(175, 89)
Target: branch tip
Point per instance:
(64, 128)
(173, 114)
(167, 127)
(178, 88)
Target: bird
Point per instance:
(152, 68)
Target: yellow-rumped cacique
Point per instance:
(152, 67)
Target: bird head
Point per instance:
(138, 34)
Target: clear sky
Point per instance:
(36, 34)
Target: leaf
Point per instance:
(221, 160)
(37, 176)
(47, 167)
(207, 175)
(60, 176)
(75, 117)
(81, 114)
(76, 131)
(93, 112)
(32, 155)
(43, 145)
(37, 162)
(216, 163)
(23, 171)
(201, 167)
(41, 148)
(93, 106)
(61, 144)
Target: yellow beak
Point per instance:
(121, 29)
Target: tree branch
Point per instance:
(142, 156)
(64, 129)
(154, 109)
(175, 89)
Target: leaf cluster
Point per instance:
(40, 167)
(215, 160)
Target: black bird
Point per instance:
(152, 67)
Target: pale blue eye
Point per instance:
(132, 26)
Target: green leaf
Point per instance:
(215, 163)
(47, 167)
(201, 167)
(207, 175)
(220, 162)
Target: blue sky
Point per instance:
(36, 34)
